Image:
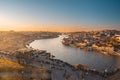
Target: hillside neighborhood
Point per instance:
(106, 42)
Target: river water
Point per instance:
(76, 55)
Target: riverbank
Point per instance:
(104, 42)
(58, 69)
(39, 59)
(101, 50)
(11, 41)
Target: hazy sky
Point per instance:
(58, 14)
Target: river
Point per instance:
(76, 55)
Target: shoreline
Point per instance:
(47, 61)
(56, 64)
(28, 47)
(91, 49)
(11, 41)
(27, 43)
(82, 65)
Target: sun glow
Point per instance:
(8, 22)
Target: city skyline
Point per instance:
(59, 15)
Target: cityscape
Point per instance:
(106, 42)
(59, 40)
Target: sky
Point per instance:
(59, 15)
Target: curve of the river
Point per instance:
(76, 55)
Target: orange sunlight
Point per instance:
(51, 29)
